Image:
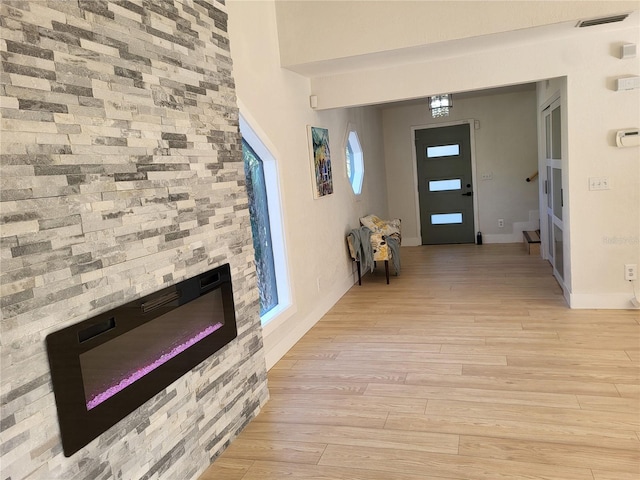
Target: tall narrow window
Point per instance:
(265, 210)
(260, 228)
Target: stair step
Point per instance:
(532, 237)
(532, 241)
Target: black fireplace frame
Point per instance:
(79, 425)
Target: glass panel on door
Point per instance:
(547, 130)
(558, 246)
(548, 186)
(550, 233)
(443, 151)
(446, 218)
(557, 192)
(445, 185)
(556, 136)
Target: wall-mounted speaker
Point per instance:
(628, 50)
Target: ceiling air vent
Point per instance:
(602, 20)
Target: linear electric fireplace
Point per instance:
(104, 368)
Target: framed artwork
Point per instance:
(321, 161)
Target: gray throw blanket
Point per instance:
(394, 246)
(361, 240)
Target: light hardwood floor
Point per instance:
(469, 365)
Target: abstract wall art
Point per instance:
(321, 158)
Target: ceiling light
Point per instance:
(440, 105)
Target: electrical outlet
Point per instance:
(501, 222)
(631, 271)
(598, 183)
(487, 176)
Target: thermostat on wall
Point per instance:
(628, 138)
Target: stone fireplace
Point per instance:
(122, 177)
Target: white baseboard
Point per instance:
(411, 241)
(612, 301)
(500, 238)
(515, 236)
(303, 325)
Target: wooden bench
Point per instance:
(532, 242)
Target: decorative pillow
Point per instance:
(385, 227)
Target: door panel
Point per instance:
(445, 185)
(553, 188)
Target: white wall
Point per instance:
(276, 104)
(604, 226)
(505, 146)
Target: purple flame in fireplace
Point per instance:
(141, 372)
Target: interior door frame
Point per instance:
(474, 182)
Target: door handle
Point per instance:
(468, 194)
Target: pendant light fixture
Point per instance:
(439, 105)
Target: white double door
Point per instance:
(552, 223)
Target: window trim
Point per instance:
(276, 221)
(353, 139)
